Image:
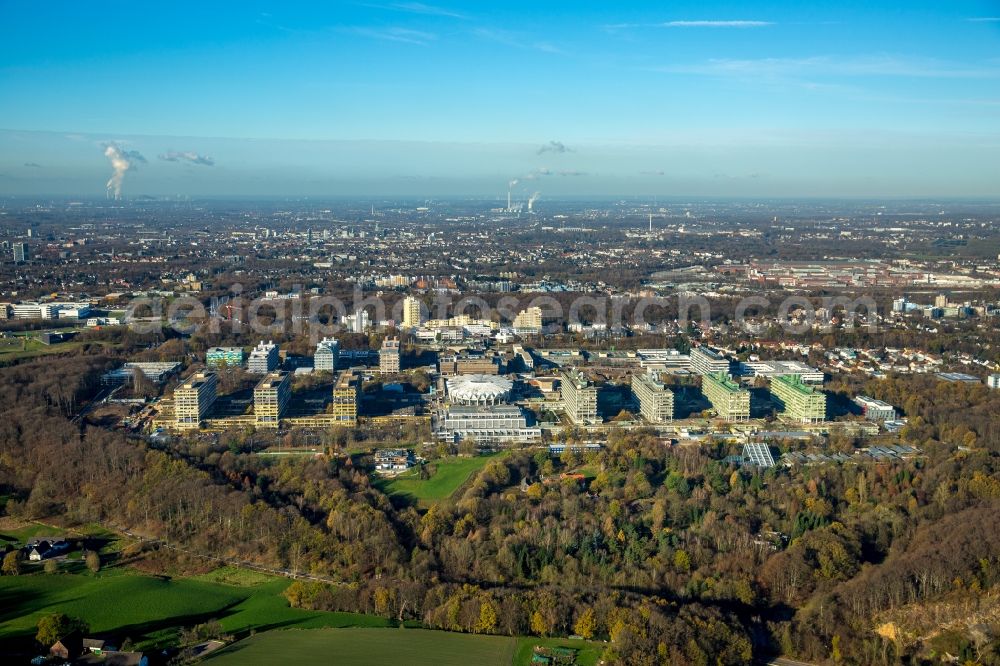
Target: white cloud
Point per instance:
(186, 156)
(881, 65)
(428, 10)
(516, 40)
(702, 23)
(717, 24)
(395, 34)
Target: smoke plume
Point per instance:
(121, 161)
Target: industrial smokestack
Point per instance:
(121, 161)
(532, 200)
(510, 186)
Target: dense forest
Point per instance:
(672, 554)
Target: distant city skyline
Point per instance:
(417, 99)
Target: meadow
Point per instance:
(374, 647)
(451, 474)
(27, 346)
(151, 609)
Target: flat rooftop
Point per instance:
(196, 381)
(346, 379)
(795, 383)
(271, 380)
(725, 382)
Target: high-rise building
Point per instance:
(263, 358)
(800, 402)
(359, 322)
(705, 361)
(579, 397)
(993, 381)
(346, 398)
(20, 253)
(270, 398)
(327, 354)
(730, 401)
(231, 357)
(656, 401)
(941, 301)
(193, 399)
(528, 320)
(413, 314)
(388, 356)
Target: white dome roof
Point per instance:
(479, 389)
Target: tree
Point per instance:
(57, 626)
(420, 380)
(539, 626)
(585, 624)
(12, 563)
(383, 597)
(487, 623)
(682, 561)
(93, 560)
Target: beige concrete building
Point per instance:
(579, 397)
(656, 401)
(270, 399)
(388, 356)
(193, 399)
(797, 401)
(346, 398)
(528, 320)
(413, 315)
(729, 399)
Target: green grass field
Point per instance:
(16, 348)
(373, 647)
(23, 532)
(150, 610)
(451, 474)
(20, 532)
(588, 652)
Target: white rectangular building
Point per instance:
(706, 362)
(492, 424)
(327, 354)
(263, 359)
(656, 401)
(769, 369)
(875, 410)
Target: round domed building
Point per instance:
(479, 390)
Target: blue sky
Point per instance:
(685, 98)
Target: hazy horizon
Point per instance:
(412, 99)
